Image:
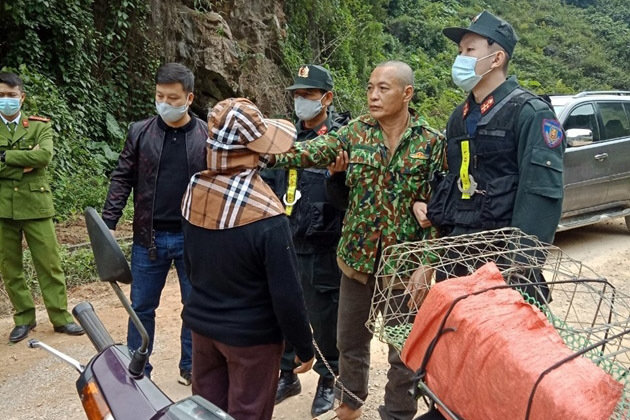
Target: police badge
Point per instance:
(303, 72)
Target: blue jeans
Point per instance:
(149, 278)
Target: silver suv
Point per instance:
(597, 159)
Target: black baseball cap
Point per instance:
(310, 76)
(489, 26)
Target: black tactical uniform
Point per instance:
(316, 228)
(504, 163)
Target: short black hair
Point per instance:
(12, 80)
(175, 73)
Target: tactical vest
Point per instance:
(493, 164)
(315, 223)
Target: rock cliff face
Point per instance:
(232, 46)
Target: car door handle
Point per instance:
(600, 157)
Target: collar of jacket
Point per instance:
(186, 128)
(493, 97)
(301, 129)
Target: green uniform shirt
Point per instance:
(26, 195)
(383, 188)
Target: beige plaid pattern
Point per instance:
(231, 193)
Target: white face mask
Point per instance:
(170, 113)
(307, 109)
(463, 71)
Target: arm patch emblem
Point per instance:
(552, 132)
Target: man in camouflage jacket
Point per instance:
(392, 153)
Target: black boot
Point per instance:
(288, 386)
(324, 396)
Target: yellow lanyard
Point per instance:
(290, 195)
(463, 170)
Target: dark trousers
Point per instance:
(239, 380)
(353, 340)
(320, 278)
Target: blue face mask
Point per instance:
(170, 113)
(9, 106)
(463, 71)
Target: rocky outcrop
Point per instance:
(232, 46)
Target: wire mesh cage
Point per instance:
(590, 314)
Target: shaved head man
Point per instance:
(391, 151)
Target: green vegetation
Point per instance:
(565, 46)
(88, 65)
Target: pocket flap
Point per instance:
(547, 158)
(39, 186)
(364, 156)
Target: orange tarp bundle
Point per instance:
(487, 368)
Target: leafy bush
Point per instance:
(88, 65)
(565, 46)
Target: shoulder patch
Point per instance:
(37, 118)
(552, 132)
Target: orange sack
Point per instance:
(487, 367)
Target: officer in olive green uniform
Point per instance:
(26, 207)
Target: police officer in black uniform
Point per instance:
(316, 228)
(505, 146)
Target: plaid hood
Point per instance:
(230, 192)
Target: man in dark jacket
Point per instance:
(159, 157)
(505, 150)
(316, 228)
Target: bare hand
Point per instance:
(419, 285)
(420, 211)
(340, 164)
(303, 366)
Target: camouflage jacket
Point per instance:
(383, 188)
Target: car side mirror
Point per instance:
(579, 137)
(111, 263)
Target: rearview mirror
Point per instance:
(579, 137)
(111, 263)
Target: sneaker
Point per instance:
(185, 377)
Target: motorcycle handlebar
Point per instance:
(94, 328)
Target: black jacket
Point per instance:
(315, 222)
(137, 169)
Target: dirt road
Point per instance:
(34, 385)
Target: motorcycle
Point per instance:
(113, 385)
